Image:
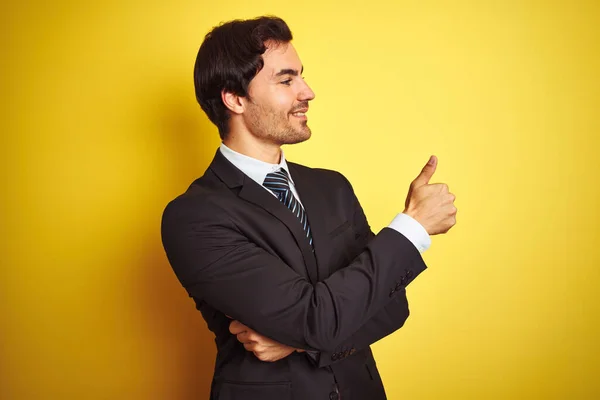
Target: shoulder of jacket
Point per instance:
(320, 173)
(203, 197)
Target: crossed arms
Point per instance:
(351, 309)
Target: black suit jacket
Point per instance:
(238, 251)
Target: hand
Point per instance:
(432, 205)
(264, 349)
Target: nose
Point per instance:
(306, 93)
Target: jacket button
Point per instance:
(333, 396)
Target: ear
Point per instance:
(233, 102)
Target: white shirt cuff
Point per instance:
(412, 230)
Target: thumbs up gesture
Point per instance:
(431, 204)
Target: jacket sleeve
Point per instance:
(217, 264)
(388, 320)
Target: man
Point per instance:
(279, 257)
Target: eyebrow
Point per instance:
(289, 71)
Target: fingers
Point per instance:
(252, 338)
(247, 340)
(236, 327)
(268, 354)
(264, 349)
(436, 188)
(247, 336)
(453, 210)
(251, 346)
(426, 173)
(440, 191)
(259, 350)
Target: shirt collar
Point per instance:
(257, 170)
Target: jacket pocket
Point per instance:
(232, 390)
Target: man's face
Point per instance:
(278, 98)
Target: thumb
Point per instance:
(427, 172)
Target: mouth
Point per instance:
(300, 113)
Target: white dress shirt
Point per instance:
(257, 171)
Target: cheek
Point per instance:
(283, 101)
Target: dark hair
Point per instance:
(229, 58)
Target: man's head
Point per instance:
(248, 79)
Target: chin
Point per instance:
(299, 136)
(289, 136)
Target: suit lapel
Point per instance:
(259, 196)
(312, 200)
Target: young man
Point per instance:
(279, 257)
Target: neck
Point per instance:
(253, 147)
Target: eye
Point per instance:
(287, 82)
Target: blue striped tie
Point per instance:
(279, 183)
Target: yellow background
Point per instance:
(100, 129)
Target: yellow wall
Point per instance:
(100, 129)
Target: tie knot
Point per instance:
(277, 181)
